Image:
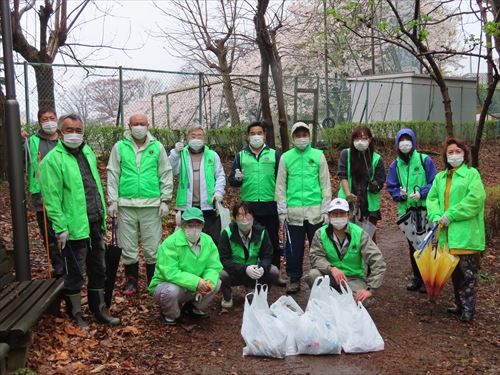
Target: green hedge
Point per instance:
(427, 132)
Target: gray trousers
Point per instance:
(171, 298)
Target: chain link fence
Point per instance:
(174, 100)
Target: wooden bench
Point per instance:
(21, 305)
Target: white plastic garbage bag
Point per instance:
(224, 215)
(314, 335)
(288, 312)
(363, 336)
(263, 332)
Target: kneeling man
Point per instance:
(246, 253)
(345, 252)
(187, 270)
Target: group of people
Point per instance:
(290, 190)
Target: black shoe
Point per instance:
(194, 312)
(167, 321)
(422, 289)
(293, 287)
(455, 310)
(414, 285)
(466, 316)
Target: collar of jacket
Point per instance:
(248, 149)
(329, 232)
(462, 171)
(235, 235)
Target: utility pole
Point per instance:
(327, 90)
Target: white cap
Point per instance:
(300, 125)
(338, 204)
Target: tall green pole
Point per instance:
(120, 75)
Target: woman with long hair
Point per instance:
(456, 202)
(362, 175)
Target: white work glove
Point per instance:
(62, 238)
(444, 221)
(325, 218)
(402, 193)
(238, 175)
(217, 197)
(415, 196)
(260, 270)
(178, 147)
(253, 272)
(163, 210)
(113, 209)
(283, 218)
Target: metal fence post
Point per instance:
(200, 99)
(120, 74)
(401, 102)
(295, 88)
(367, 100)
(153, 110)
(26, 93)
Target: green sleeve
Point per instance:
(168, 266)
(432, 202)
(470, 205)
(214, 266)
(51, 184)
(317, 255)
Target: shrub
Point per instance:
(492, 212)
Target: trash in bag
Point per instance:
(263, 333)
(435, 265)
(315, 335)
(224, 215)
(415, 225)
(362, 334)
(288, 312)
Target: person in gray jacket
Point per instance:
(344, 251)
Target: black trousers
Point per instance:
(212, 225)
(272, 225)
(294, 251)
(414, 267)
(464, 279)
(85, 257)
(56, 258)
(229, 280)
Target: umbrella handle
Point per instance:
(113, 232)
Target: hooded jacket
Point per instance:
(399, 166)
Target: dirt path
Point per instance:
(416, 342)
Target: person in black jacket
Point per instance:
(246, 252)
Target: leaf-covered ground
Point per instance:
(417, 341)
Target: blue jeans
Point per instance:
(294, 249)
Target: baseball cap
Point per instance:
(338, 204)
(193, 213)
(300, 125)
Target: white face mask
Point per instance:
(256, 141)
(339, 222)
(196, 144)
(302, 143)
(245, 226)
(455, 160)
(72, 140)
(361, 144)
(405, 146)
(192, 234)
(139, 131)
(49, 127)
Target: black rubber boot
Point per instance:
(74, 307)
(150, 271)
(132, 274)
(97, 306)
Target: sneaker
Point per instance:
(130, 286)
(194, 312)
(226, 304)
(293, 287)
(455, 310)
(167, 321)
(414, 285)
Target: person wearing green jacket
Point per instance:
(140, 186)
(303, 192)
(37, 147)
(343, 251)
(187, 271)
(72, 192)
(456, 202)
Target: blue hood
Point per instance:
(408, 132)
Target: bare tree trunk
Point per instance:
(44, 75)
(264, 101)
(230, 100)
(277, 73)
(448, 114)
(3, 145)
